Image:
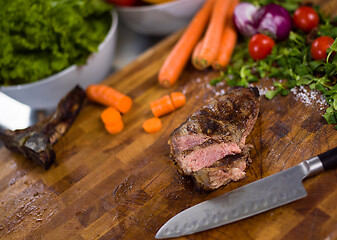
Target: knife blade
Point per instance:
(254, 198)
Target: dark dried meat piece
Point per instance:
(35, 142)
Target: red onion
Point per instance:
(272, 20)
(243, 18)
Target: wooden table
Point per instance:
(125, 186)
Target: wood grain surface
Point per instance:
(125, 186)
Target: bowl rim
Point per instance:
(151, 7)
(112, 31)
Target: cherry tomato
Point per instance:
(305, 18)
(260, 46)
(319, 47)
(123, 2)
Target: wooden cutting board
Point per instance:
(125, 186)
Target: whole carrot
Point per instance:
(178, 57)
(233, 4)
(195, 55)
(228, 42)
(109, 96)
(212, 38)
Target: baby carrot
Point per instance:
(178, 99)
(111, 115)
(212, 38)
(109, 96)
(162, 106)
(152, 125)
(114, 128)
(178, 57)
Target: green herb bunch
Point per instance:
(290, 64)
(41, 37)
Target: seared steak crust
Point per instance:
(215, 130)
(228, 118)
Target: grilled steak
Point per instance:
(214, 132)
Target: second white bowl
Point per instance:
(159, 19)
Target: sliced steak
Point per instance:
(204, 155)
(230, 168)
(215, 130)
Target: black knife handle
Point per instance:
(329, 159)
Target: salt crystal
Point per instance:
(263, 91)
(309, 97)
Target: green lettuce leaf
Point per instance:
(41, 37)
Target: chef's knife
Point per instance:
(254, 198)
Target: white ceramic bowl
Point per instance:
(159, 19)
(46, 93)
